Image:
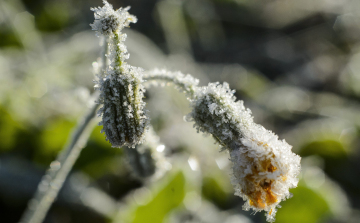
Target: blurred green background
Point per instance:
(294, 63)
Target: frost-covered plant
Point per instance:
(264, 167)
(109, 21)
(123, 112)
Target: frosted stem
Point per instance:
(104, 52)
(185, 83)
(117, 42)
(53, 180)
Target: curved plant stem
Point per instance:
(55, 176)
(185, 83)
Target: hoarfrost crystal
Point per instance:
(108, 21)
(124, 117)
(264, 167)
(182, 82)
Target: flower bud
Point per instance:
(264, 167)
(148, 159)
(216, 112)
(124, 117)
(142, 164)
(123, 113)
(108, 21)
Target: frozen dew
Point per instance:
(55, 165)
(222, 162)
(193, 163)
(160, 148)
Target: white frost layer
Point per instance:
(124, 117)
(264, 167)
(108, 20)
(183, 82)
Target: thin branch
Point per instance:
(53, 180)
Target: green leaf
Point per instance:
(98, 157)
(327, 148)
(99, 138)
(9, 130)
(305, 206)
(54, 17)
(53, 139)
(212, 191)
(166, 200)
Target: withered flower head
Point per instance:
(264, 167)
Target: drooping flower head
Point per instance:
(264, 167)
(124, 117)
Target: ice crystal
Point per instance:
(124, 117)
(108, 21)
(264, 167)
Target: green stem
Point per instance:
(55, 176)
(130, 100)
(118, 51)
(161, 78)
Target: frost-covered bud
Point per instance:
(216, 112)
(108, 21)
(124, 117)
(148, 159)
(141, 163)
(264, 167)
